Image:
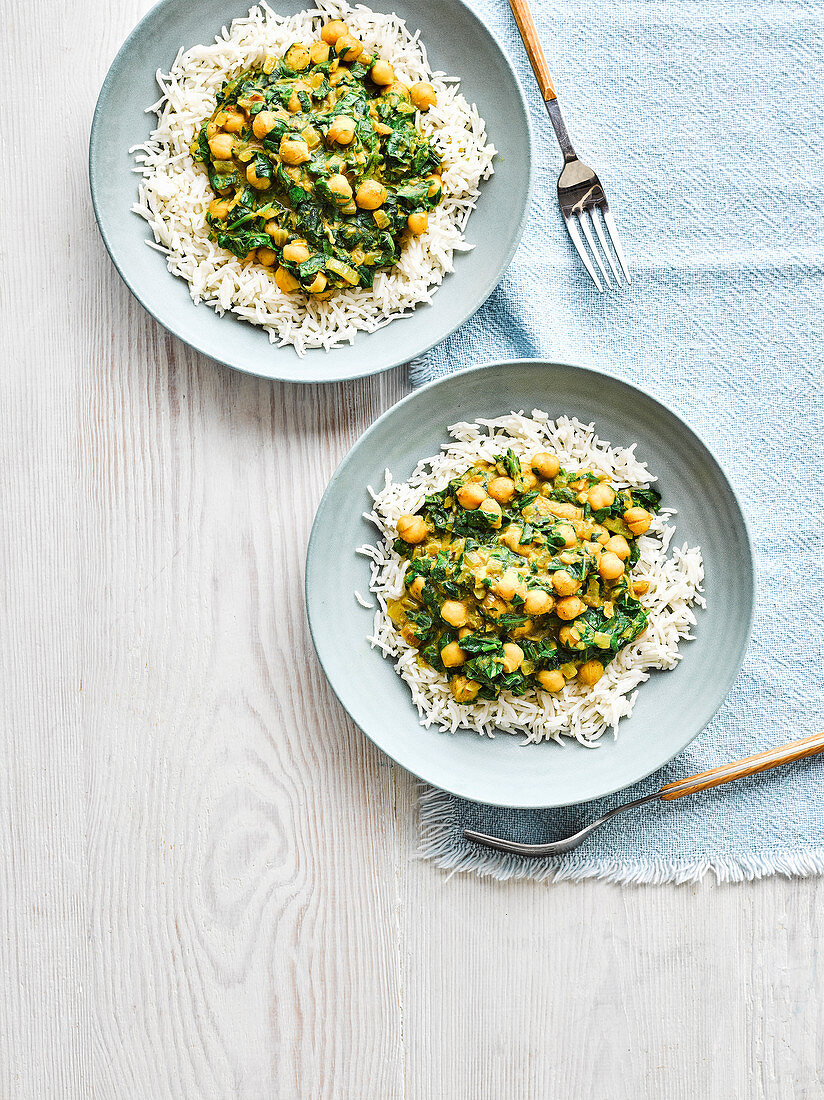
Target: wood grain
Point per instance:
(534, 50)
(208, 883)
(748, 765)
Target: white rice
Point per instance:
(174, 193)
(674, 577)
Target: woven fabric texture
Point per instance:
(706, 124)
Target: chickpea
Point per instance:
(297, 57)
(502, 489)
(260, 183)
(513, 657)
(538, 602)
(546, 465)
(296, 252)
(568, 636)
(398, 88)
(250, 256)
(342, 130)
(219, 208)
(294, 151)
(318, 284)
(416, 588)
(564, 583)
(412, 529)
(563, 510)
(370, 195)
(464, 632)
(452, 655)
(278, 235)
(511, 538)
(286, 281)
(382, 73)
(590, 672)
(334, 30)
(640, 588)
(434, 186)
(471, 495)
(348, 48)
(618, 545)
(550, 679)
(464, 689)
(527, 477)
(423, 95)
(539, 508)
(294, 105)
(507, 585)
(610, 566)
(319, 53)
(266, 257)
(524, 629)
(600, 496)
(638, 520)
(570, 607)
(264, 123)
(567, 533)
(454, 613)
(340, 189)
(418, 222)
(221, 146)
(234, 122)
(492, 509)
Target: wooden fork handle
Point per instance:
(761, 762)
(534, 49)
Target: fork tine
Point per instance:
(616, 240)
(572, 226)
(595, 250)
(607, 251)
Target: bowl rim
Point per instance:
(747, 563)
(293, 374)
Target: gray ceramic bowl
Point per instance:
(672, 707)
(457, 42)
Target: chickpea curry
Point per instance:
(520, 576)
(320, 171)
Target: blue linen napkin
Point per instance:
(706, 125)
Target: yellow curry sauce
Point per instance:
(320, 171)
(520, 576)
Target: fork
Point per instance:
(580, 193)
(726, 773)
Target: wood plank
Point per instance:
(227, 886)
(589, 989)
(43, 948)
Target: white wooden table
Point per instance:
(208, 883)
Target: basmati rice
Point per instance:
(174, 192)
(674, 577)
